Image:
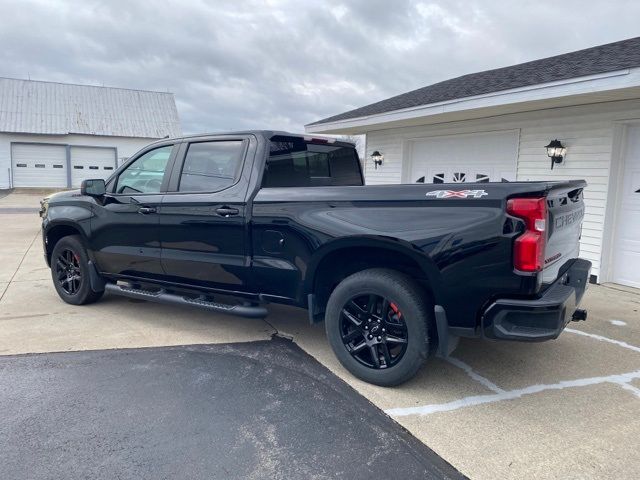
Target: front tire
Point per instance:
(377, 322)
(70, 272)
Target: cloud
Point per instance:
(284, 63)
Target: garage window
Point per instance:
(459, 177)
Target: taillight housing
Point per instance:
(528, 252)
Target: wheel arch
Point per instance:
(57, 230)
(343, 257)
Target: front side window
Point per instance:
(211, 166)
(145, 174)
(296, 162)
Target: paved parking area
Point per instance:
(262, 410)
(569, 408)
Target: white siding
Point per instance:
(586, 131)
(125, 147)
(390, 145)
(589, 143)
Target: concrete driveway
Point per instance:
(569, 408)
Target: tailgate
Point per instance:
(565, 206)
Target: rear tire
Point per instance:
(70, 272)
(377, 322)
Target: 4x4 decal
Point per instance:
(457, 193)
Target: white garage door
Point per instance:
(36, 165)
(626, 251)
(91, 162)
(486, 157)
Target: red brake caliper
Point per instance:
(395, 309)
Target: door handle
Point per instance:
(147, 210)
(227, 211)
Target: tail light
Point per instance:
(529, 247)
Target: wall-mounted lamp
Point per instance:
(377, 158)
(556, 152)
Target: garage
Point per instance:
(626, 251)
(39, 165)
(91, 162)
(45, 165)
(54, 135)
(485, 157)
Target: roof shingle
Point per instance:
(590, 61)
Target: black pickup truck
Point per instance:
(232, 222)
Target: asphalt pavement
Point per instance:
(259, 410)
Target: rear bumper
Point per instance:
(542, 318)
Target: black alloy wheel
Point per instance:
(373, 331)
(378, 323)
(68, 271)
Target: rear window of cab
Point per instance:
(297, 162)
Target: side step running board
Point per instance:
(162, 296)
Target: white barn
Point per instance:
(55, 134)
(494, 125)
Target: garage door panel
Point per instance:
(91, 162)
(626, 253)
(39, 165)
(465, 158)
(625, 266)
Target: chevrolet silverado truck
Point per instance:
(232, 222)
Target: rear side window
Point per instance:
(294, 162)
(211, 166)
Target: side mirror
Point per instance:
(93, 188)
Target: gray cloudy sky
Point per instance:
(281, 64)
